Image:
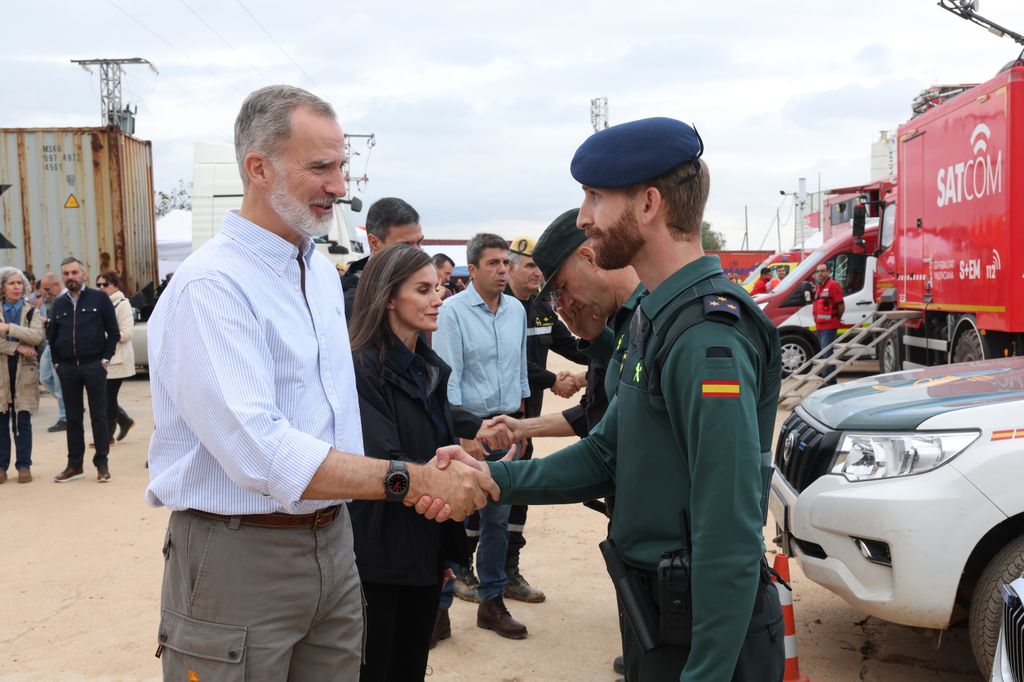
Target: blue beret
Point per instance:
(633, 152)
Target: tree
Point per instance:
(710, 239)
(179, 197)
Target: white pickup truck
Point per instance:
(904, 494)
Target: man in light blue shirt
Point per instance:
(481, 333)
(258, 441)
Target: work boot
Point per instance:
(442, 628)
(517, 588)
(61, 425)
(124, 422)
(467, 585)
(492, 615)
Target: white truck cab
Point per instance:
(901, 493)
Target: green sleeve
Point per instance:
(718, 428)
(583, 471)
(600, 348)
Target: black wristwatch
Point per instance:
(396, 482)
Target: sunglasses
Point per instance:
(101, 284)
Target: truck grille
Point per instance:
(1013, 628)
(803, 453)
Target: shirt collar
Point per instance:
(13, 306)
(679, 281)
(476, 299)
(275, 250)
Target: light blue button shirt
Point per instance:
(486, 351)
(251, 385)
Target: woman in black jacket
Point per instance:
(403, 403)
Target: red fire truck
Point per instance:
(951, 243)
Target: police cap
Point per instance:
(630, 153)
(556, 244)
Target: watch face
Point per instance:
(397, 483)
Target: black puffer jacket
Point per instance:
(393, 543)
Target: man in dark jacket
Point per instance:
(388, 221)
(82, 332)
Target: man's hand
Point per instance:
(581, 321)
(512, 426)
(26, 351)
(494, 435)
(474, 447)
(452, 485)
(565, 385)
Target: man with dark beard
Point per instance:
(685, 445)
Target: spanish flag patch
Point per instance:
(720, 389)
(1005, 434)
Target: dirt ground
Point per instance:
(80, 569)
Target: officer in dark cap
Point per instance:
(685, 445)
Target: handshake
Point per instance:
(452, 485)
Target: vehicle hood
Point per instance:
(902, 400)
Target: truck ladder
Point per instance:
(850, 346)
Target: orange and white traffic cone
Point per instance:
(792, 673)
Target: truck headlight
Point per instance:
(870, 456)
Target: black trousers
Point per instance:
(113, 388)
(92, 378)
(399, 622)
(762, 657)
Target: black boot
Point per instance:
(517, 588)
(124, 422)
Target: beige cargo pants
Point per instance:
(246, 603)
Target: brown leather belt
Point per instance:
(318, 519)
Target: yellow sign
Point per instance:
(72, 202)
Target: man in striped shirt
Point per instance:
(258, 441)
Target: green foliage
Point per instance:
(710, 239)
(179, 197)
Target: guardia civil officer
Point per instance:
(685, 444)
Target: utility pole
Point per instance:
(112, 113)
(599, 113)
(746, 230)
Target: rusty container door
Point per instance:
(85, 192)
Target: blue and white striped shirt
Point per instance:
(486, 351)
(251, 385)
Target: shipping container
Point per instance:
(86, 192)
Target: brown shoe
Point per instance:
(442, 628)
(69, 474)
(102, 473)
(24, 475)
(492, 615)
(517, 588)
(3, 476)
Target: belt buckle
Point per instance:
(320, 518)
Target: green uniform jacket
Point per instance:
(706, 448)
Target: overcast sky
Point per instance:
(478, 106)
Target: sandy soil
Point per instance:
(80, 569)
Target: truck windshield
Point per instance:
(799, 273)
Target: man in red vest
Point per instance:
(828, 311)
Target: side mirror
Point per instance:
(860, 214)
(808, 292)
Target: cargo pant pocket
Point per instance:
(763, 654)
(199, 650)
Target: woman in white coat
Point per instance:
(122, 365)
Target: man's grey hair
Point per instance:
(484, 240)
(514, 258)
(265, 121)
(9, 271)
(72, 259)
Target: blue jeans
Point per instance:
(48, 378)
(448, 591)
(490, 552)
(825, 337)
(22, 440)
